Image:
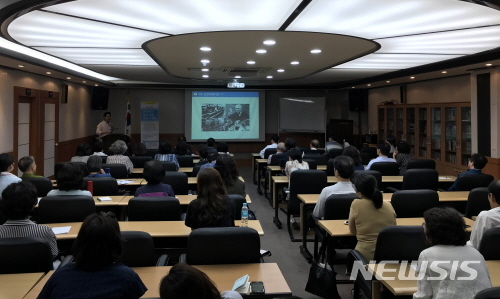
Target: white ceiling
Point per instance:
(108, 39)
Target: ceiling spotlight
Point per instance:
(250, 62)
(489, 64)
(269, 42)
(281, 70)
(353, 87)
(237, 77)
(204, 70)
(444, 72)
(261, 51)
(269, 77)
(387, 81)
(206, 49)
(294, 62)
(316, 51)
(69, 78)
(48, 73)
(368, 85)
(412, 77)
(84, 81)
(20, 65)
(205, 76)
(205, 61)
(96, 84)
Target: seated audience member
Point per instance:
(27, 166)
(289, 144)
(445, 230)
(127, 140)
(344, 169)
(402, 154)
(212, 207)
(140, 149)
(94, 164)
(188, 147)
(382, 152)
(346, 141)
(391, 141)
(222, 148)
(153, 174)
(353, 152)
(212, 157)
(69, 181)
(295, 162)
(17, 203)
(274, 143)
(210, 144)
(119, 148)
(203, 153)
(96, 272)
(313, 146)
(83, 151)
(226, 167)
(186, 282)
(181, 148)
(98, 148)
(280, 149)
(6, 167)
(474, 166)
(165, 154)
(332, 143)
(369, 214)
(487, 219)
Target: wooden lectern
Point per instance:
(109, 139)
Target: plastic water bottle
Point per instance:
(244, 215)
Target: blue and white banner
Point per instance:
(150, 126)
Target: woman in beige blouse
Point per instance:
(369, 214)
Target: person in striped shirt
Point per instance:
(119, 148)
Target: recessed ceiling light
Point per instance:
(412, 77)
(96, 85)
(204, 70)
(444, 72)
(269, 42)
(294, 62)
(20, 65)
(237, 77)
(206, 49)
(205, 61)
(205, 76)
(387, 81)
(368, 85)
(269, 77)
(250, 62)
(48, 73)
(353, 87)
(84, 81)
(261, 51)
(316, 51)
(281, 70)
(69, 78)
(489, 64)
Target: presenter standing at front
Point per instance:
(105, 127)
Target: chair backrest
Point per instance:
(154, 209)
(330, 169)
(105, 186)
(413, 203)
(103, 159)
(386, 168)
(139, 161)
(415, 179)
(82, 165)
(196, 169)
(185, 161)
(25, 255)
(477, 202)
(138, 249)
(238, 202)
(275, 160)
(151, 152)
(320, 159)
(42, 185)
(169, 165)
(365, 157)
(400, 243)
(335, 152)
(469, 182)
(118, 171)
(491, 293)
(269, 151)
(421, 163)
(62, 208)
(337, 206)
(223, 245)
(312, 163)
(490, 243)
(178, 181)
(305, 182)
(376, 174)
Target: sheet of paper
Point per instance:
(61, 230)
(124, 182)
(240, 282)
(444, 178)
(105, 198)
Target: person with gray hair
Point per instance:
(119, 148)
(94, 164)
(280, 149)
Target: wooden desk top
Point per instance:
(13, 286)
(255, 155)
(155, 228)
(183, 199)
(408, 287)
(338, 228)
(223, 276)
(385, 179)
(283, 179)
(181, 169)
(261, 161)
(193, 180)
(115, 200)
(134, 182)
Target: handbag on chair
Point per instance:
(322, 281)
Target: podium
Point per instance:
(109, 139)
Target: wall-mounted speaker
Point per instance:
(358, 99)
(100, 97)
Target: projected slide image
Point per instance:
(228, 117)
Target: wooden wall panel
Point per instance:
(67, 149)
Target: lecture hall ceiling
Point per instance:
(258, 42)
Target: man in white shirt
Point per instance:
(332, 143)
(383, 150)
(105, 127)
(344, 170)
(6, 167)
(487, 219)
(274, 143)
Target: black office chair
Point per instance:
(394, 243)
(365, 157)
(103, 186)
(330, 170)
(238, 202)
(103, 159)
(477, 202)
(62, 208)
(185, 161)
(269, 151)
(169, 165)
(222, 245)
(178, 181)
(421, 163)
(416, 179)
(312, 163)
(491, 293)
(196, 169)
(303, 182)
(139, 161)
(25, 255)
(117, 171)
(386, 168)
(469, 182)
(275, 160)
(319, 158)
(83, 167)
(335, 152)
(154, 209)
(139, 250)
(413, 203)
(42, 185)
(376, 174)
(490, 243)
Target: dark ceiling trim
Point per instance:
(421, 53)
(294, 14)
(111, 48)
(495, 4)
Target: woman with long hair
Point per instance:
(212, 207)
(353, 152)
(226, 167)
(369, 214)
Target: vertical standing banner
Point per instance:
(150, 127)
(128, 119)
